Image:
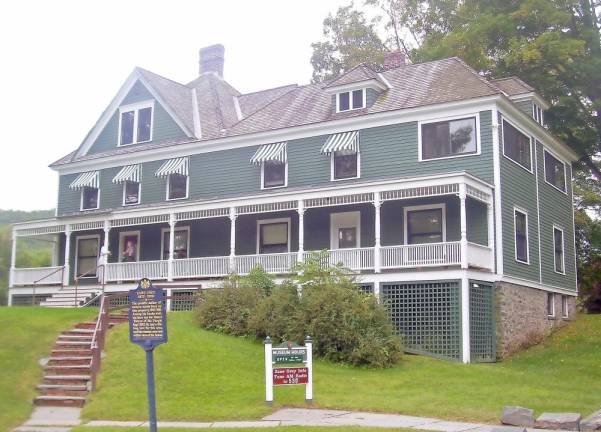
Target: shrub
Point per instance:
(276, 315)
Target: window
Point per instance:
(345, 164)
(550, 304)
(448, 138)
(516, 146)
(129, 246)
(565, 307)
(273, 236)
(87, 256)
(274, 174)
(131, 193)
(177, 186)
(181, 243)
(537, 113)
(555, 172)
(89, 198)
(558, 250)
(345, 230)
(135, 123)
(521, 236)
(351, 100)
(425, 224)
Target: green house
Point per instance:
(442, 190)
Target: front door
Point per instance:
(86, 262)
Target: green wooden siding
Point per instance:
(164, 127)
(518, 188)
(555, 209)
(525, 106)
(371, 97)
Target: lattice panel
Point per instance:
(366, 288)
(84, 226)
(26, 300)
(423, 191)
(339, 200)
(269, 207)
(477, 194)
(185, 303)
(202, 214)
(482, 323)
(427, 315)
(40, 231)
(140, 220)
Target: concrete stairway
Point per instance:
(67, 372)
(67, 297)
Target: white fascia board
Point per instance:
(370, 83)
(387, 118)
(533, 96)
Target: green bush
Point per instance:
(345, 324)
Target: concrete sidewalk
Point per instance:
(319, 417)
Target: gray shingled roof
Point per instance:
(513, 85)
(359, 73)
(422, 84)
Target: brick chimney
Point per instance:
(211, 59)
(393, 59)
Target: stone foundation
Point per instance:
(521, 317)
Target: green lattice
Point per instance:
(183, 304)
(427, 315)
(366, 288)
(482, 322)
(26, 299)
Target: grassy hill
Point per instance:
(31, 252)
(203, 375)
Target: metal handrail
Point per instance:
(103, 266)
(98, 339)
(61, 269)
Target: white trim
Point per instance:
(420, 123)
(239, 114)
(136, 107)
(515, 243)
(357, 85)
(531, 97)
(168, 182)
(386, 82)
(442, 207)
(339, 220)
(175, 229)
(496, 156)
(565, 178)
(551, 295)
(76, 263)
(260, 222)
(81, 199)
(350, 102)
(563, 250)
(536, 171)
(505, 119)
(263, 187)
(196, 115)
(333, 167)
(139, 194)
(573, 232)
(122, 235)
(537, 285)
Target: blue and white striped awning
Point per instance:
(87, 179)
(270, 152)
(130, 173)
(173, 166)
(341, 141)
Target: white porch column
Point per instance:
(301, 230)
(67, 267)
(465, 319)
(462, 197)
(491, 234)
(104, 253)
(13, 260)
(171, 247)
(233, 217)
(377, 244)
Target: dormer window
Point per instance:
(135, 123)
(538, 114)
(350, 100)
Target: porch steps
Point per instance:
(67, 373)
(67, 296)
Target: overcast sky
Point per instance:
(63, 61)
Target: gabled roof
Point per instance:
(512, 85)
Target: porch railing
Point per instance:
(197, 267)
(30, 276)
(421, 255)
(271, 263)
(479, 255)
(132, 271)
(352, 258)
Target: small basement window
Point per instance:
(177, 186)
(345, 164)
(350, 100)
(550, 304)
(448, 138)
(274, 174)
(555, 172)
(89, 198)
(131, 193)
(517, 146)
(565, 307)
(135, 123)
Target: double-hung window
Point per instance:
(87, 256)
(449, 138)
(537, 113)
(131, 192)
(181, 243)
(558, 250)
(517, 146)
(521, 235)
(177, 186)
(274, 174)
(273, 236)
(350, 100)
(345, 164)
(89, 198)
(555, 172)
(425, 224)
(135, 123)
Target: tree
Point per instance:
(350, 39)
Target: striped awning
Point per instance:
(173, 166)
(341, 141)
(270, 152)
(129, 173)
(87, 179)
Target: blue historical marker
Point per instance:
(148, 328)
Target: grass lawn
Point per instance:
(270, 429)
(207, 376)
(27, 335)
